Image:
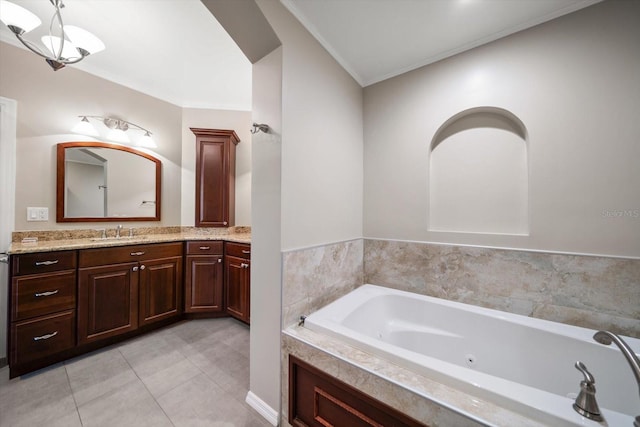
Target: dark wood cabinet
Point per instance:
(237, 265)
(107, 301)
(42, 308)
(123, 288)
(160, 289)
(65, 303)
(317, 399)
(41, 337)
(215, 177)
(204, 277)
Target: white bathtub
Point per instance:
(517, 362)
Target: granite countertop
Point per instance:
(59, 240)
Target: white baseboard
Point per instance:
(267, 412)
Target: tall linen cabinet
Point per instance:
(215, 177)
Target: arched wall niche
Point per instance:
(479, 173)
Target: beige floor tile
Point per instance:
(150, 355)
(171, 377)
(201, 402)
(194, 373)
(40, 398)
(97, 374)
(128, 405)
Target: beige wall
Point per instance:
(239, 121)
(574, 83)
(321, 139)
(317, 121)
(48, 105)
(266, 235)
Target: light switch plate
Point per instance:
(37, 214)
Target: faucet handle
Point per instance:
(587, 375)
(103, 232)
(586, 404)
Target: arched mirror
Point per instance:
(100, 182)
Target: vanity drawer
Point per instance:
(120, 254)
(43, 262)
(205, 247)
(42, 294)
(41, 337)
(240, 250)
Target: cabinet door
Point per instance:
(237, 274)
(215, 177)
(160, 289)
(212, 195)
(204, 284)
(317, 399)
(107, 301)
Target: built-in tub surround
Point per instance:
(517, 362)
(589, 291)
(314, 277)
(391, 384)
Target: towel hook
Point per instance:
(260, 127)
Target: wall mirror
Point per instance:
(98, 181)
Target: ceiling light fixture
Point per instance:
(117, 130)
(65, 44)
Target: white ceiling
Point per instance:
(175, 50)
(378, 39)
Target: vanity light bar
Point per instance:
(117, 132)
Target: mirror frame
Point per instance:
(60, 182)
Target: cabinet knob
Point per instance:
(219, 260)
(135, 268)
(142, 267)
(224, 223)
(243, 265)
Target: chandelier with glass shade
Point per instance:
(64, 45)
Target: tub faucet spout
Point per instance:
(606, 338)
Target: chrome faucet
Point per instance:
(586, 404)
(606, 338)
(118, 228)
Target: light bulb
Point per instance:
(118, 135)
(69, 51)
(83, 39)
(18, 17)
(147, 142)
(84, 127)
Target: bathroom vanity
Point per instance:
(86, 294)
(122, 288)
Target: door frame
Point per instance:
(8, 121)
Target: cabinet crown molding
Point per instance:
(227, 133)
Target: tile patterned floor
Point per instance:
(194, 373)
